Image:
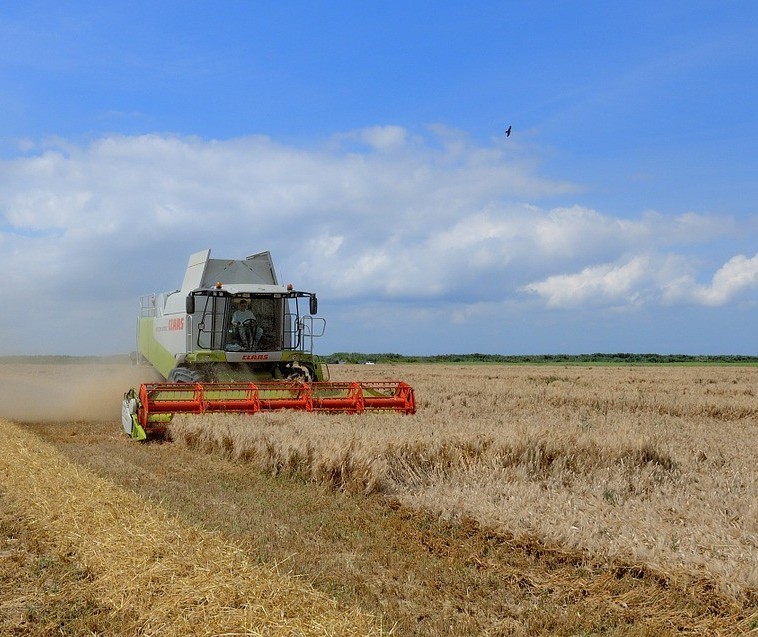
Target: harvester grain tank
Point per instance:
(233, 339)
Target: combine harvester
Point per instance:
(233, 340)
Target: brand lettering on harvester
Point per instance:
(176, 324)
(254, 357)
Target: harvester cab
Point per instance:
(231, 320)
(234, 339)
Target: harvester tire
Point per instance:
(184, 375)
(297, 372)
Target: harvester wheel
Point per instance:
(297, 373)
(184, 375)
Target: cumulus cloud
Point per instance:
(663, 279)
(595, 285)
(371, 215)
(731, 281)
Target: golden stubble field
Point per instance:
(597, 500)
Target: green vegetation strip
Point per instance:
(547, 359)
(155, 574)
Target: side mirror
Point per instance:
(313, 304)
(190, 304)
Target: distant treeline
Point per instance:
(621, 358)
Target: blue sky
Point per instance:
(364, 146)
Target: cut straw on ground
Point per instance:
(154, 574)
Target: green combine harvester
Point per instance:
(234, 340)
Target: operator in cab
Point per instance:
(245, 322)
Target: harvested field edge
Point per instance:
(380, 458)
(708, 609)
(711, 608)
(153, 574)
(663, 603)
(423, 575)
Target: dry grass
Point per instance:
(377, 542)
(41, 591)
(154, 574)
(424, 576)
(653, 465)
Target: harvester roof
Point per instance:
(235, 274)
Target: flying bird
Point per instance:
(508, 131)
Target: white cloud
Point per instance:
(400, 217)
(731, 281)
(567, 232)
(664, 279)
(735, 276)
(595, 285)
(382, 137)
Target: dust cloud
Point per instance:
(67, 392)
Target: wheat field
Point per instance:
(519, 500)
(650, 464)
